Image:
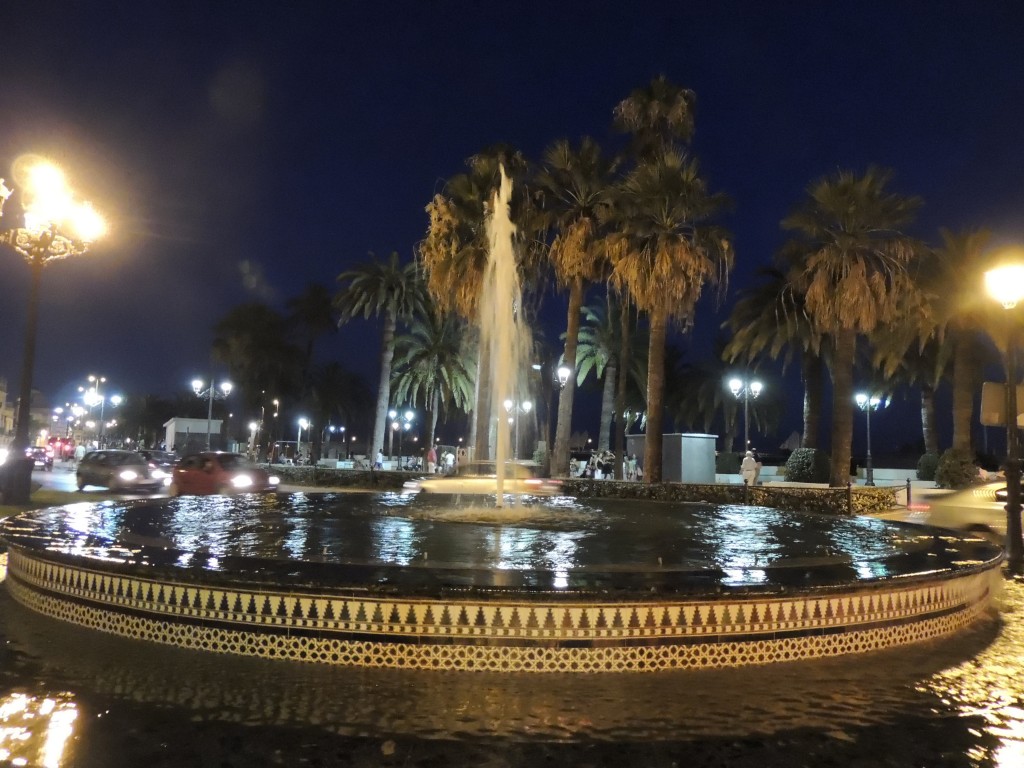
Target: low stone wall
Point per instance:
(323, 477)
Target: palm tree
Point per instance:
(656, 116)
(389, 290)
(664, 251)
(252, 340)
(433, 365)
(854, 277)
(456, 248)
(340, 394)
(573, 185)
(770, 320)
(312, 315)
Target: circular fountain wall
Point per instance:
(384, 580)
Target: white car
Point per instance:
(980, 509)
(482, 478)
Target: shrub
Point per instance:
(727, 463)
(956, 469)
(808, 465)
(927, 465)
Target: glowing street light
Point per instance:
(514, 409)
(1005, 284)
(304, 424)
(746, 390)
(53, 226)
(868, 403)
(211, 393)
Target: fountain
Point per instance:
(384, 581)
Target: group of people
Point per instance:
(601, 465)
(750, 467)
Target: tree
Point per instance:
(657, 116)
(338, 393)
(311, 314)
(573, 186)
(434, 366)
(665, 250)
(854, 276)
(392, 291)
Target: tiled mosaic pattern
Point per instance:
(497, 635)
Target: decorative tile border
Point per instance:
(500, 635)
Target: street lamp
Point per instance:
(1005, 284)
(746, 390)
(304, 424)
(211, 393)
(868, 403)
(393, 418)
(512, 407)
(564, 372)
(54, 226)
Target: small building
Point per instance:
(185, 436)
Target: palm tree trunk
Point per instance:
(842, 407)
(387, 353)
(963, 390)
(811, 374)
(432, 417)
(607, 408)
(929, 429)
(625, 352)
(560, 465)
(655, 395)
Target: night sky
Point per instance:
(242, 151)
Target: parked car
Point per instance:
(161, 463)
(979, 509)
(117, 470)
(482, 478)
(217, 472)
(42, 458)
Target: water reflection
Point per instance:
(34, 731)
(743, 546)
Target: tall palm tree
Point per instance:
(455, 252)
(392, 291)
(770, 320)
(434, 366)
(252, 340)
(573, 185)
(311, 314)
(657, 116)
(340, 396)
(854, 277)
(665, 250)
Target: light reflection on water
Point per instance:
(560, 535)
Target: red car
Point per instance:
(216, 472)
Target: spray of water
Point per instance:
(501, 325)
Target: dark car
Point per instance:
(41, 458)
(161, 463)
(117, 470)
(216, 472)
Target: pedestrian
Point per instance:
(748, 468)
(431, 460)
(631, 468)
(757, 466)
(378, 463)
(79, 452)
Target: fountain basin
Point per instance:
(381, 580)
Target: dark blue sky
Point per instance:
(245, 149)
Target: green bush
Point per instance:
(956, 469)
(727, 463)
(808, 465)
(927, 465)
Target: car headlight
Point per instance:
(128, 474)
(241, 481)
(273, 479)
(156, 474)
(3, 455)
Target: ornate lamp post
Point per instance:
(1005, 284)
(746, 390)
(868, 403)
(211, 393)
(53, 226)
(514, 409)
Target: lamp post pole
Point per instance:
(54, 227)
(1006, 285)
(868, 403)
(210, 395)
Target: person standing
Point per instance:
(378, 463)
(757, 466)
(748, 468)
(431, 460)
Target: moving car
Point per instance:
(117, 470)
(980, 509)
(482, 478)
(218, 472)
(161, 463)
(42, 458)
